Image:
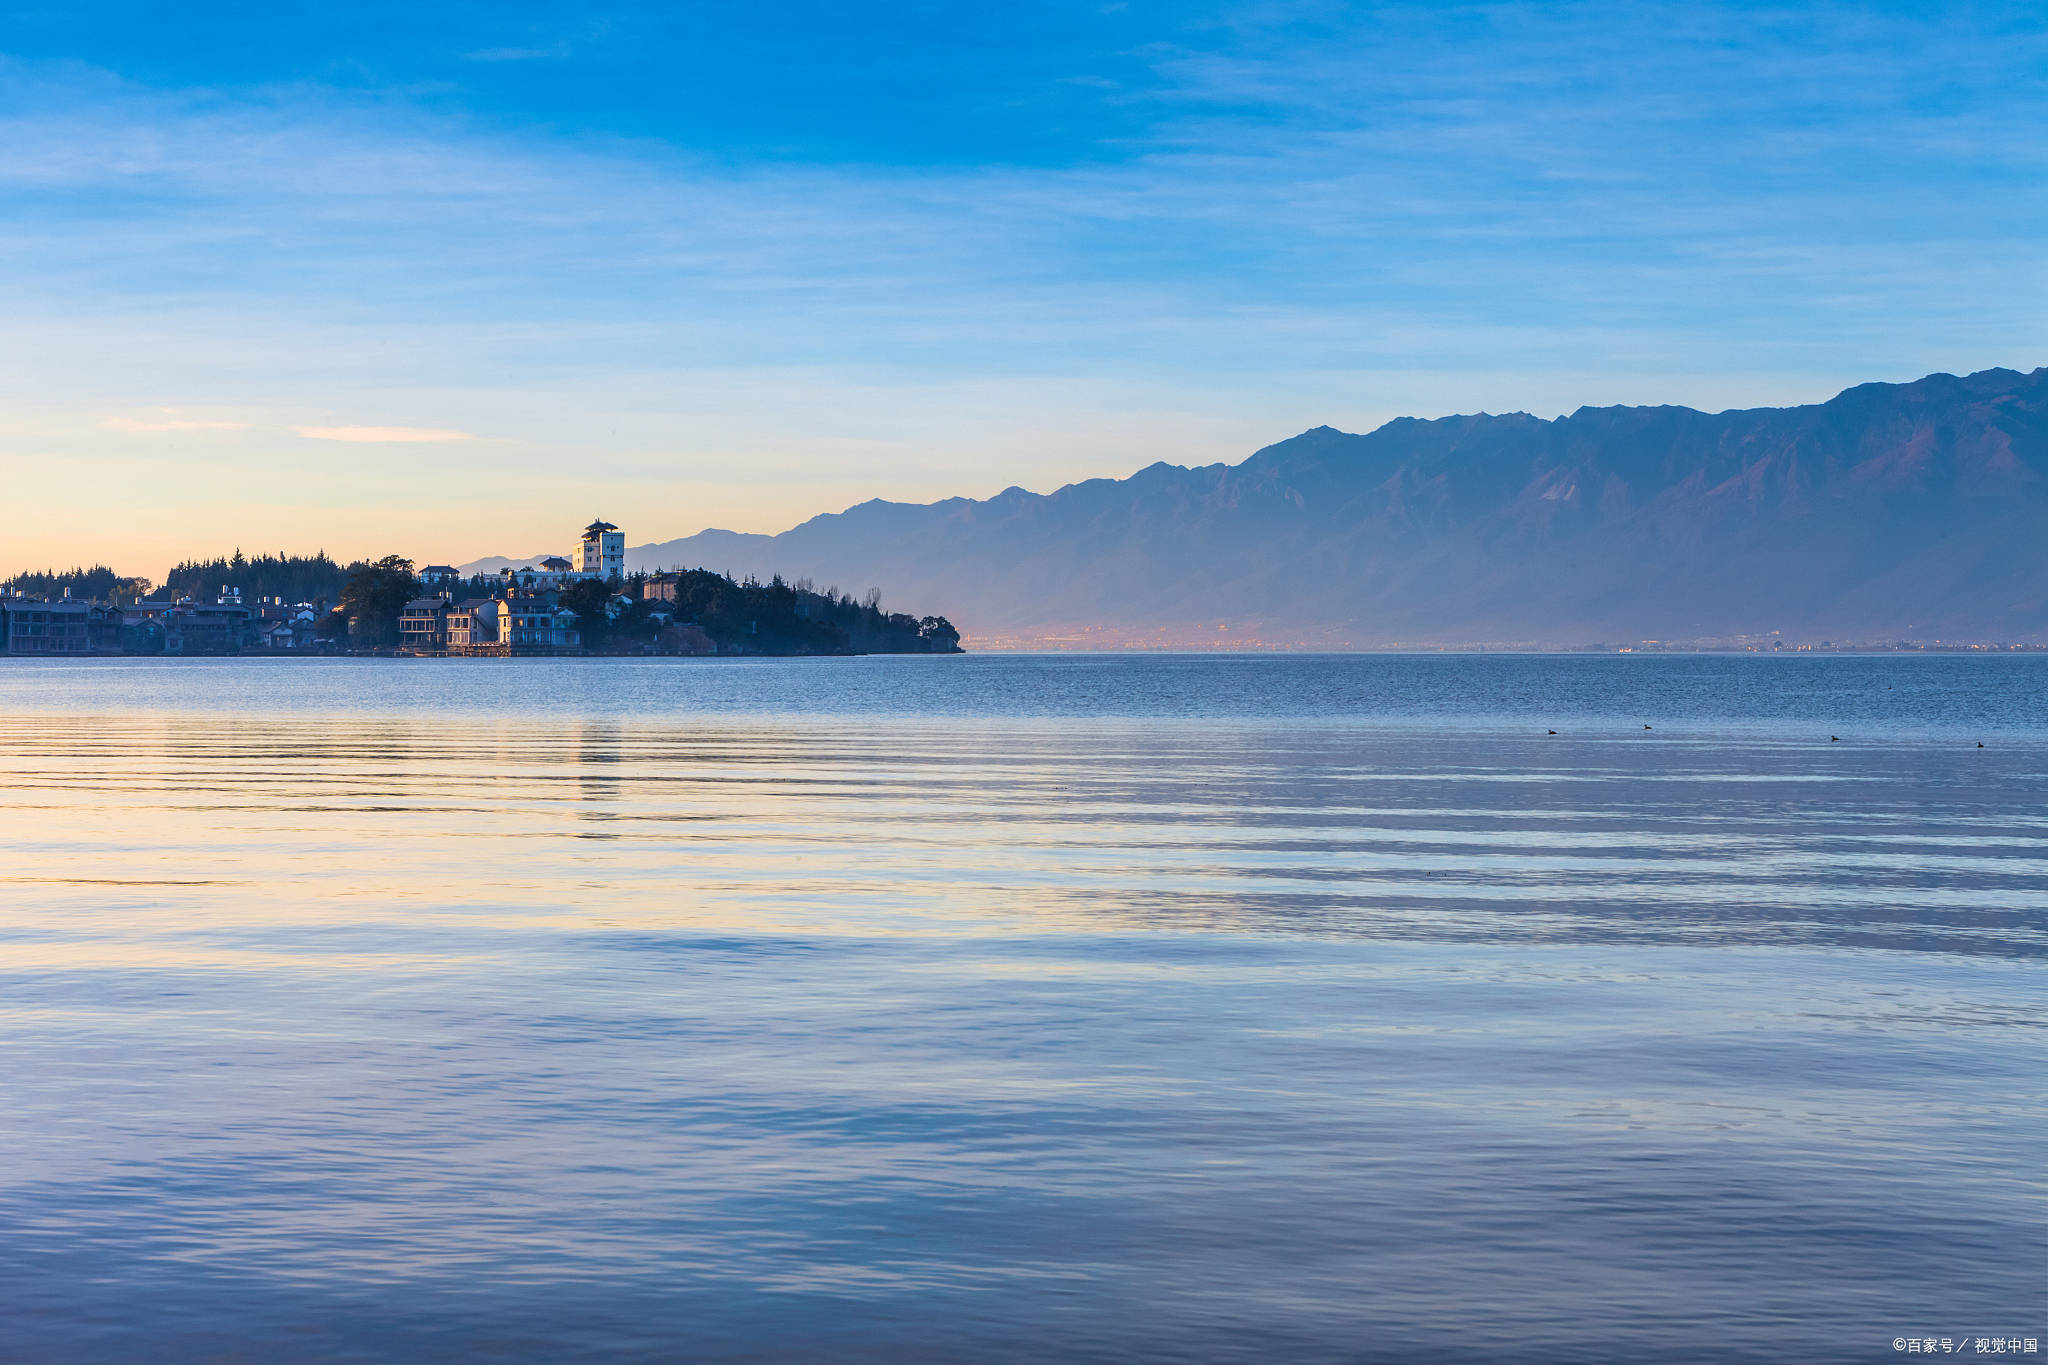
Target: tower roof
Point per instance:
(597, 526)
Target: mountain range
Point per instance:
(1911, 511)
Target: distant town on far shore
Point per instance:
(586, 603)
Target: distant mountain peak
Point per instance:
(1889, 511)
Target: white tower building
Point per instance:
(603, 552)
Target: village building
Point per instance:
(525, 617)
(423, 626)
(473, 626)
(603, 552)
(600, 554)
(549, 574)
(181, 625)
(282, 626)
(67, 626)
(536, 623)
(223, 627)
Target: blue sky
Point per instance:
(448, 280)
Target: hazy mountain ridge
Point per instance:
(1892, 511)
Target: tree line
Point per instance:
(98, 584)
(294, 578)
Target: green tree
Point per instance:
(99, 583)
(588, 598)
(375, 595)
(295, 578)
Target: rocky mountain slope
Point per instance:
(1893, 511)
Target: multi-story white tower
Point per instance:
(603, 552)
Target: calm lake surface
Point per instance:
(1195, 1008)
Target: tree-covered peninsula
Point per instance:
(694, 611)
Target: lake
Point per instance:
(1023, 1007)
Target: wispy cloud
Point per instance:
(552, 52)
(361, 435)
(383, 435)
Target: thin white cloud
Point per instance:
(552, 52)
(383, 435)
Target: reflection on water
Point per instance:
(512, 1033)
